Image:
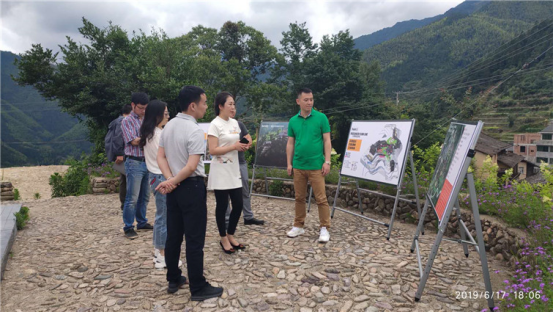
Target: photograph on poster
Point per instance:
(207, 158)
(445, 158)
(271, 146)
(376, 150)
(449, 165)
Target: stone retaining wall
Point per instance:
(499, 240)
(104, 185)
(7, 191)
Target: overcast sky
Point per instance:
(28, 22)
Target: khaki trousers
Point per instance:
(301, 178)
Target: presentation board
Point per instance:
(376, 150)
(460, 138)
(271, 146)
(207, 158)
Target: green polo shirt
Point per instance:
(308, 140)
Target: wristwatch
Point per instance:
(328, 162)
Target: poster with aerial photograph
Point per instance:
(271, 146)
(376, 150)
(460, 138)
(207, 158)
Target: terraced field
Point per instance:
(505, 117)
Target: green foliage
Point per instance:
(511, 120)
(425, 161)
(21, 217)
(95, 78)
(74, 182)
(16, 195)
(518, 203)
(276, 188)
(36, 196)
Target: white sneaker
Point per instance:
(324, 235)
(295, 232)
(159, 261)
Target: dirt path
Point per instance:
(31, 180)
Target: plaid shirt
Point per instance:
(130, 127)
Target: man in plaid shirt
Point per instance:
(138, 192)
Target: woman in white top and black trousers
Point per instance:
(224, 178)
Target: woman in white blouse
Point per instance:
(224, 178)
(155, 118)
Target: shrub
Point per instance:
(21, 218)
(74, 182)
(16, 195)
(37, 195)
(276, 188)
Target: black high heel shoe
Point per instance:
(229, 252)
(239, 246)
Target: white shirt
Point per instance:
(225, 169)
(151, 152)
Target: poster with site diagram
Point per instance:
(460, 138)
(376, 150)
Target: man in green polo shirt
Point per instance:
(309, 158)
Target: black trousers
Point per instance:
(187, 215)
(122, 189)
(222, 201)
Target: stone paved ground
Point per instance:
(73, 256)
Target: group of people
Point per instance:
(164, 157)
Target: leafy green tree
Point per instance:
(93, 80)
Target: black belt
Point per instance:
(197, 178)
(135, 158)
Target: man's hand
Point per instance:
(119, 159)
(325, 169)
(289, 170)
(135, 142)
(166, 186)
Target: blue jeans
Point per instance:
(138, 194)
(160, 224)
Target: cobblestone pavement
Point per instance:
(72, 256)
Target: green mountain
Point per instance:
(422, 57)
(367, 41)
(30, 125)
(520, 72)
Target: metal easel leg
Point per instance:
(393, 212)
(336, 196)
(461, 228)
(480, 241)
(359, 197)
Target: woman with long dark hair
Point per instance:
(155, 118)
(224, 179)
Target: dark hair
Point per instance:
(189, 94)
(126, 109)
(303, 90)
(139, 98)
(220, 99)
(153, 115)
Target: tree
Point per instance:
(93, 80)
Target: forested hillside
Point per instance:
(424, 56)
(367, 41)
(33, 128)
